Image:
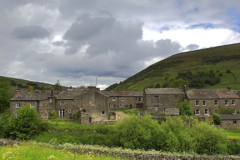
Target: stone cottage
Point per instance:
(121, 100)
(230, 121)
(205, 101)
(157, 100)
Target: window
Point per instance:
(69, 111)
(62, 103)
(50, 100)
(226, 103)
(139, 98)
(113, 99)
(156, 108)
(113, 106)
(206, 111)
(197, 103)
(197, 111)
(125, 106)
(215, 102)
(17, 105)
(234, 122)
(120, 105)
(233, 102)
(156, 99)
(103, 112)
(204, 103)
(122, 99)
(61, 113)
(32, 104)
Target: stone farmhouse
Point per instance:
(96, 105)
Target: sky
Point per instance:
(75, 41)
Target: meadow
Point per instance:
(31, 151)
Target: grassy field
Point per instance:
(31, 152)
(233, 134)
(199, 60)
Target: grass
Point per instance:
(233, 133)
(62, 125)
(130, 111)
(31, 151)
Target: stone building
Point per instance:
(205, 101)
(157, 100)
(121, 100)
(230, 121)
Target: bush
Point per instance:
(184, 108)
(216, 119)
(53, 114)
(228, 71)
(225, 110)
(25, 124)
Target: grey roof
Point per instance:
(123, 93)
(210, 94)
(27, 96)
(164, 91)
(237, 92)
(230, 116)
(70, 93)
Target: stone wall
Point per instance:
(228, 124)
(172, 111)
(13, 108)
(105, 122)
(210, 106)
(68, 106)
(116, 103)
(84, 118)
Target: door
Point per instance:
(90, 119)
(61, 113)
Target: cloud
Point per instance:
(191, 47)
(30, 32)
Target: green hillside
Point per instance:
(219, 59)
(24, 83)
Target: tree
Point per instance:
(176, 83)
(57, 85)
(216, 118)
(82, 86)
(5, 95)
(184, 108)
(30, 89)
(157, 85)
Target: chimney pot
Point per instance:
(70, 87)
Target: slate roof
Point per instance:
(164, 91)
(70, 93)
(123, 93)
(26, 96)
(237, 92)
(230, 116)
(210, 94)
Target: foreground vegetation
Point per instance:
(34, 151)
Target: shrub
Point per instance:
(220, 74)
(53, 114)
(216, 118)
(228, 71)
(26, 124)
(184, 108)
(225, 110)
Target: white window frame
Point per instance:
(32, 104)
(204, 103)
(156, 108)
(198, 111)
(196, 103)
(50, 100)
(114, 106)
(215, 103)
(113, 99)
(120, 105)
(235, 122)
(122, 99)
(62, 103)
(205, 112)
(139, 99)
(226, 102)
(61, 113)
(18, 105)
(69, 110)
(233, 102)
(103, 113)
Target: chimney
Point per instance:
(185, 88)
(229, 87)
(52, 93)
(70, 87)
(17, 91)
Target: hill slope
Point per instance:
(219, 59)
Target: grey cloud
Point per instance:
(192, 47)
(30, 32)
(58, 43)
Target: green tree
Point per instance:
(178, 82)
(216, 118)
(82, 86)
(30, 89)
(157, 85)
(225, 110)
(5, 95)
(184, 108)
(57, 85)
